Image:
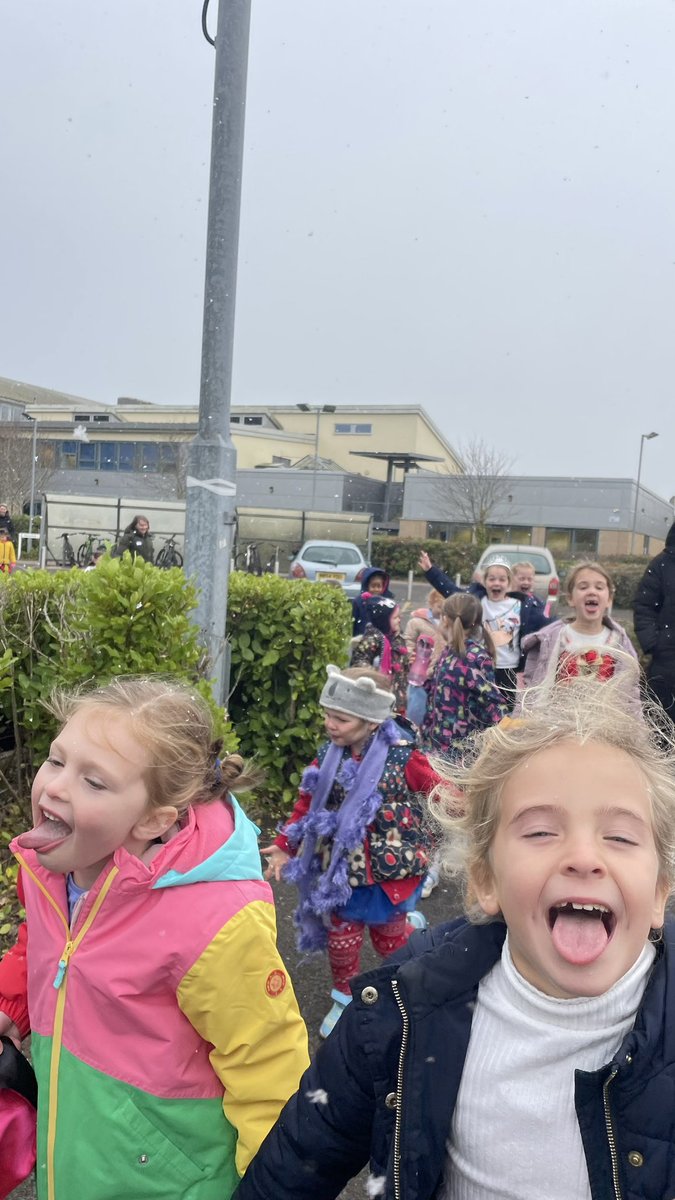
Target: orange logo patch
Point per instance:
(275, 983)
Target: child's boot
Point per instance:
(340, 1002)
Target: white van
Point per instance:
(546, 581)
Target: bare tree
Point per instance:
(16, 466)
(472, 498)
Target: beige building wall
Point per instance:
(402, 429)
(416, 530)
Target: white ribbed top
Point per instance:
(514, 1132)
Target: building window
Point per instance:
(150, 457)
(234, 420)
(516, 535)
(253, 420)
(572, 541)
(345, 427)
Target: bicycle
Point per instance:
(68, 558)
(169, 556)
(249, 560)
(88, 548)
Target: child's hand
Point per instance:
(276, 860)
(424, 562)
(10, 1030)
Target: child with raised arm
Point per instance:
(356, 843)
(165, 1033)
(526, 1052)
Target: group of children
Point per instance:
(522, 1051)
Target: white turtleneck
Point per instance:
(514, 1131)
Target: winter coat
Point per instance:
(541, 651)
(359, 609)
(139, 544)
(165, 1032)
(654, 609)
(532, 609)
(463, 698)
(419, 622)
(7, 523)
(7, 556)
(367, 652)
(396, 842)
(383, 1087)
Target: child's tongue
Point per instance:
(45, 835)
(578, 937)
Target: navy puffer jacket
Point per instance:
(382, 1088)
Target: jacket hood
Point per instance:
(368, 575)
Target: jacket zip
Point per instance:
(610, 1134)
(61, 985)
(399, 1091)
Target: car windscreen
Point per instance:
(342, 556)
(541, 565)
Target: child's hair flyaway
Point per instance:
(174, 724)
(463, 614)
(587, 565)
(467, 804)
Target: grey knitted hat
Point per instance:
(358, 697)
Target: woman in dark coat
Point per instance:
(136, 538)
(654, 609)
(6, 522)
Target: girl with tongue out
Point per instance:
(591, 643)
(527, 1053)
(165, 1033)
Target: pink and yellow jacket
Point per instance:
(165, 1033)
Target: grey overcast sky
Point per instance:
(466, 205)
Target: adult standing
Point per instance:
(136, 538)
(6, 522)
(654, 610)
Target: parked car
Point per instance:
(331, 562)
(546, 581)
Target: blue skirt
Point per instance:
(371, 905)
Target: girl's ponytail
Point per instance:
(231, 773)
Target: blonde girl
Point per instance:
(590, 643)
(545, 1023)
(463, 696)
(164, 1027)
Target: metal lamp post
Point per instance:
(317, 410)
(32, 471)
(644, 437)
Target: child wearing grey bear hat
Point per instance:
(355, 844)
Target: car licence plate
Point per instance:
(338, 575)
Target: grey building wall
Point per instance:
(553, 502)
(327, 491)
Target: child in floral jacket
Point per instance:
(356, 844)
(382, 646)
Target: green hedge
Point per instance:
(282, 634)
(400, 555)
(68, 628)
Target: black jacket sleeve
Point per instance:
(442, 582)
(647, 606)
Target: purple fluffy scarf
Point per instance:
(322, 892)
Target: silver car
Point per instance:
(331, 562)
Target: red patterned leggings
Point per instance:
(345, 939)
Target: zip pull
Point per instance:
(63, 964)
